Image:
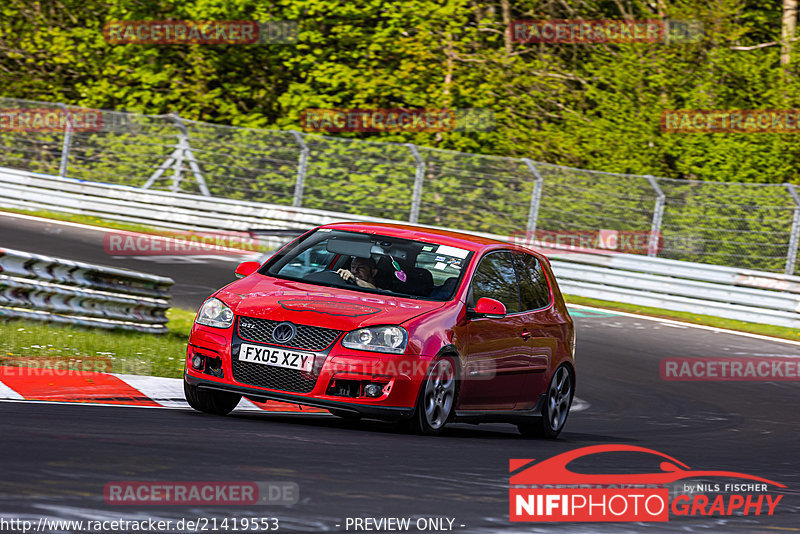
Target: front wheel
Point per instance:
(556, 407)
(210, 401)
(437, 398)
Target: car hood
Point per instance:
(343, 309)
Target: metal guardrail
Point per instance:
(739, 294)
(28, 190)
(34, 286)
(733, 293)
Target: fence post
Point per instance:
(302, 167)
(536, 197)
(794, 236)
(62, 169)
(419, 176)
(658, 214)
(187, 154)
(182, 151)
(177, 176)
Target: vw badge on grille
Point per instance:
(284, 332)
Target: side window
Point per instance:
(533, 288)
(495, 278)
(313, 259)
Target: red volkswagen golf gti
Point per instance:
(391, 322)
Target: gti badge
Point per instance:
(284, 333)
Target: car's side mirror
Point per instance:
(246, 268)
(489, 308)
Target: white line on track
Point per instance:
(63, 223)
(579, 405)
(104, 229)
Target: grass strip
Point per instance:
(65, 348)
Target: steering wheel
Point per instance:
(328, 277)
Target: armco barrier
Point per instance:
(39, 287)
(727, 292)
(25, 189)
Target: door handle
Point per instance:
(525, 335)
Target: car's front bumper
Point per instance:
(338, 380)
(364, 410)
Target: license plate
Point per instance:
(289, 359)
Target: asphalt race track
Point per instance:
(56, 459)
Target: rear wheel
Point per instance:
(210, 401)
(437, 398)
(556, 407)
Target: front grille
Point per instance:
(307, 338)
(268, 376)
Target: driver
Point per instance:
(362, 272)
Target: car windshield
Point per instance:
(372, 263)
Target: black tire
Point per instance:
(210, 401)
(556, 407)
(437, 398)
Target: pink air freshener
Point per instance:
(398, 271)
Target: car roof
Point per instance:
(407, 231)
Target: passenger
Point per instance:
(362, 271)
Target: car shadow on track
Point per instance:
(495, 431)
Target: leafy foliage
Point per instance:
(581, 105)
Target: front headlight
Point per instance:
(215, 313)
(392, 339)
